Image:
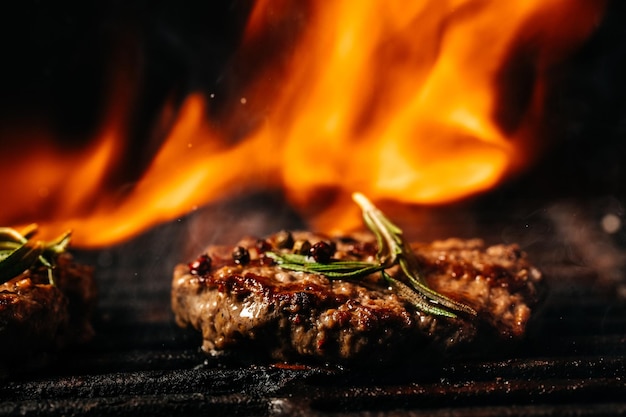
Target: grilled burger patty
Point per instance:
(37, 317)
(239, 298)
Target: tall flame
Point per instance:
(399, 100)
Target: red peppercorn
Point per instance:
(201, 266)
(263, 246)
(322, 251)
(266, 261)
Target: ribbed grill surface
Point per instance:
(141, 363)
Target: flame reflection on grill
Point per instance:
(423, 103)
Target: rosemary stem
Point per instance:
(18, 252)
(393, 249)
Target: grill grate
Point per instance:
(141, 363)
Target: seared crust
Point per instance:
(37, 317)
(301, 316)
(497, 281)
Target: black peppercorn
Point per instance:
(284, 240)
(241, 256)
(201, 266)
(322, 252)
(302, 247)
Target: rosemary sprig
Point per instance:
(333, 269)
(392, 250)
(19, 252)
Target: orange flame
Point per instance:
(399, 100)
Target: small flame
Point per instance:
(399, 100)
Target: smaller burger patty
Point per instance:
(241, 299)
(37, 317)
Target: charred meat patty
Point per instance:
(37, 317)
(239, 298)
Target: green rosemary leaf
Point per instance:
(291, 258)
(8, 234)
(435, 297)
(332, 269)
(29, 231)
(6, 246)
(337, 274)
(346, 271)
(60, 244)
(18, 252)
(415, 298)
(20, 259)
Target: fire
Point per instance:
(401, 101)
